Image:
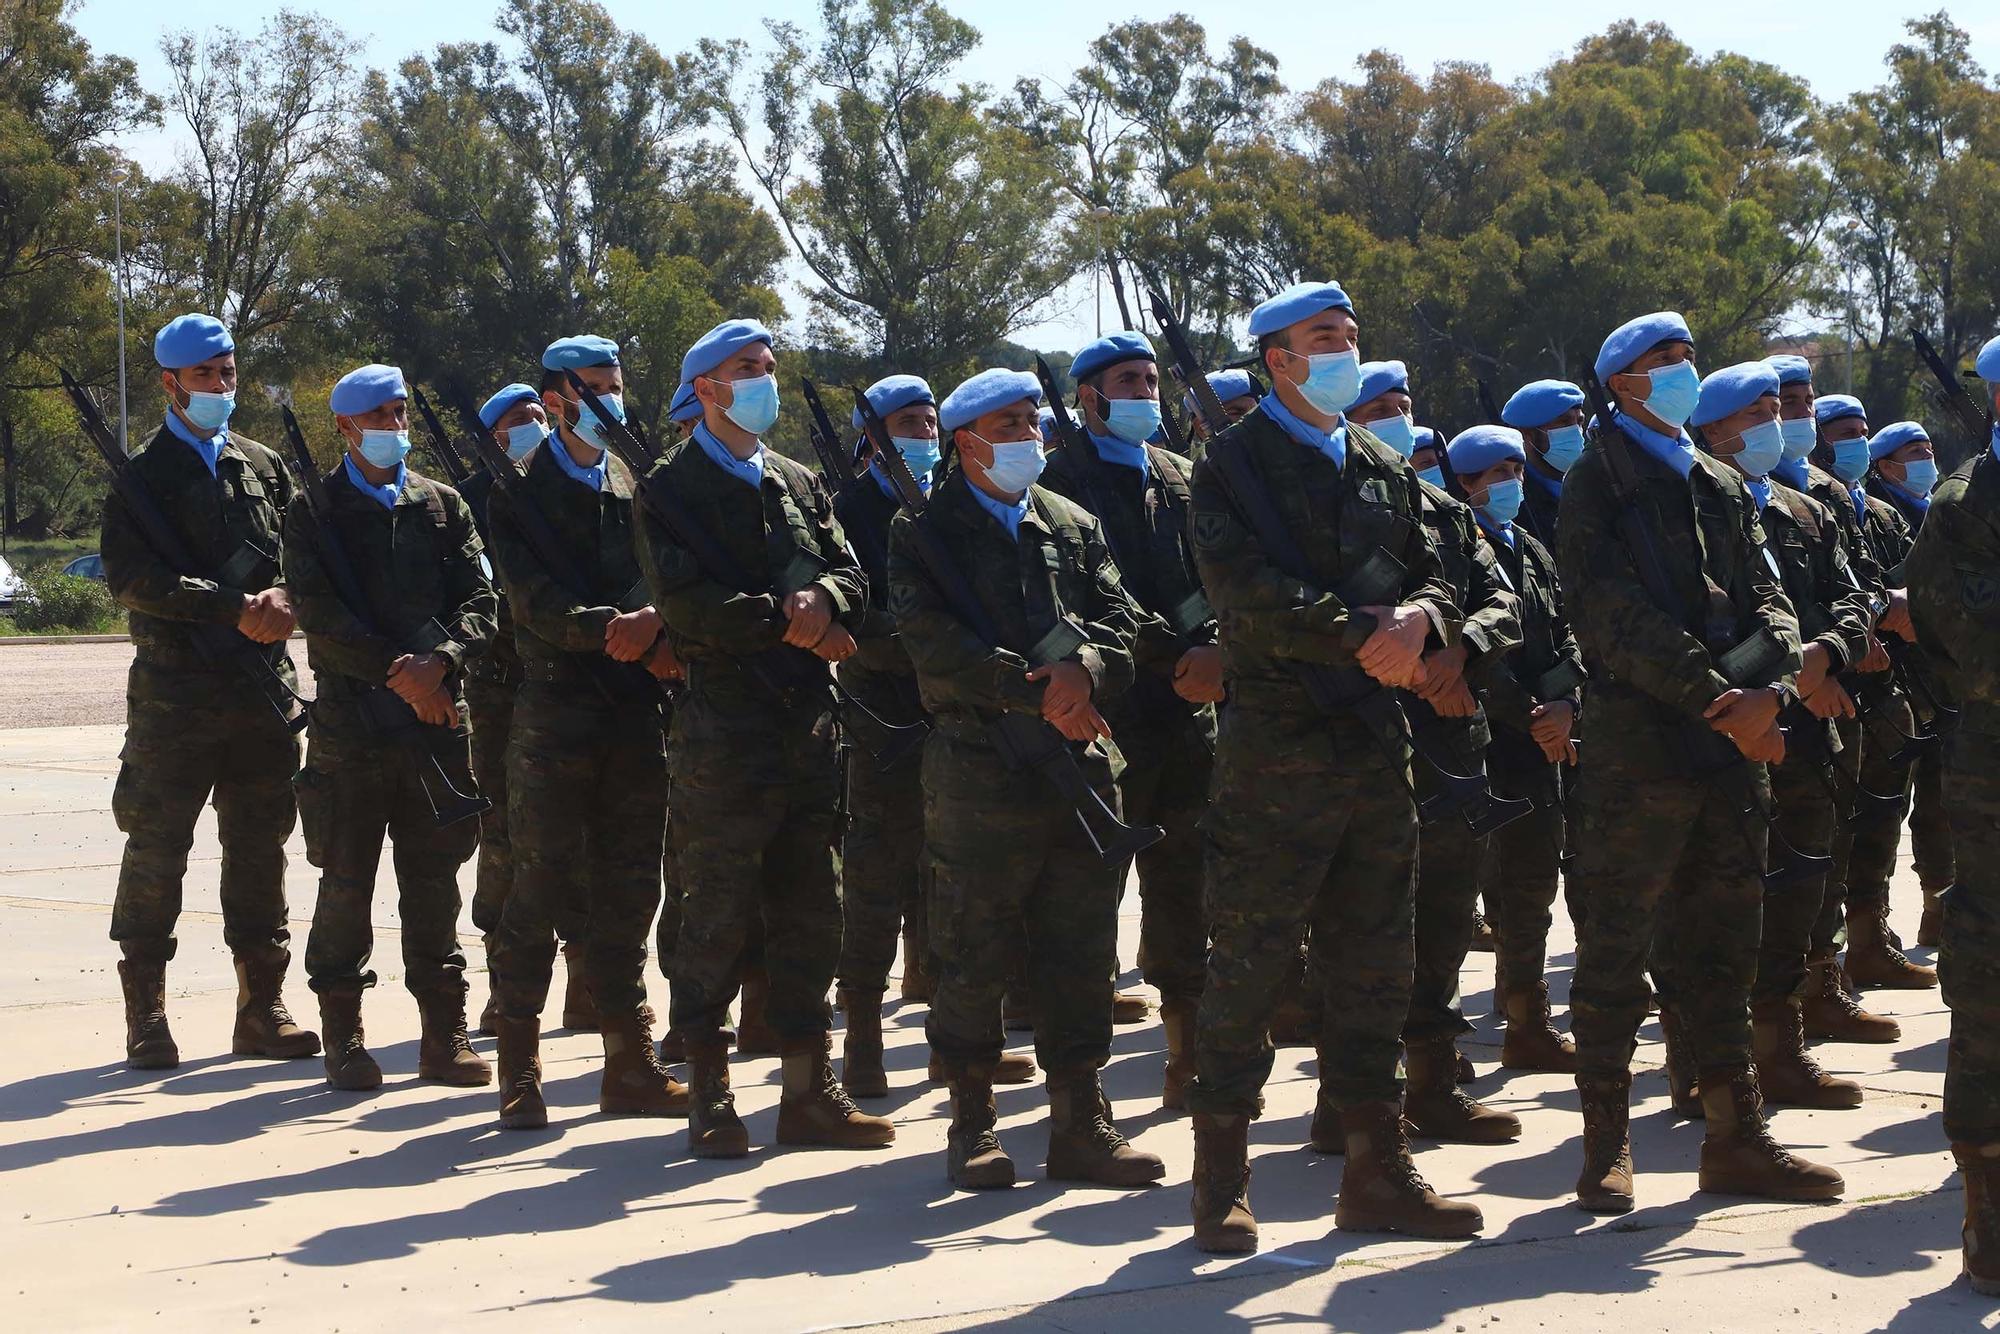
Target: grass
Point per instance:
(25, 554)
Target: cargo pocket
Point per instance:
(314, 791)
(124, 796)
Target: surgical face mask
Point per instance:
(1759, 449)
(1435, 476)
(384, 449)
(207, 411)
(1332, 380)
(1920, 476)
(1674, 392)
(1565, 448)
(1016, 463)
(753, 404)
(1503, 500)
(1133, 420)
(1798, 432)
(921, 453)
(1850, 459)
(522, 439)
(1397, 432)
(589, 429)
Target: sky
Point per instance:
(1836, 45)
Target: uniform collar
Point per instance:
(749, 471)
(1006, 515)
(1332, 443)
(592, 477)
(208, 451)
(1552, 485)
(1676, 451)
(1502, 531)
(384, 495)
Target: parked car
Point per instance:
(12, 587)
(87, 567)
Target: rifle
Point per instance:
(384, 712)
(442, 449)
(783, 669)
(835, 463)
(220, 645)
(1488, 404)
(1975, 422)
(1023, 741)
(1704, 753)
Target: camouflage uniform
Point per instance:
(192, 730)
(754, 769)
(586, 765)
(1309, 825)
(1167, 744)
(1006, 850)
(1540, 504)
(490, 682)
(1656, 845)
(420, 566)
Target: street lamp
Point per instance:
(1097, 217)
(118, 175)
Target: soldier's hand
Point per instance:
(266, 617)
(807, 614)
(1198, 675)
(1443, 683)
(1831, 700)
(1394, 653)
(1896, 620)
(437, 709)
(1068, 688)
(1876, 659)
(836, 645)
(630, 637)
(1550, 724)
(1744, 715)
(1083, 723)
(1813, 674)
(664, 663)
(416, 676)
(1766, 747)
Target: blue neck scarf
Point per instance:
(1792, 472)
(384, 495)
(1007, 516)
(1332, 443)
(1503, 531)
(208, 451)
(1552, 485)
(592, 477)
(1676, 452)
(749, 471)
(1113, 450)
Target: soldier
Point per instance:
(753, 757)
(413, 550)
(1308, 822)
(1532, 754)
(191, 732)
(1549, 416)
(1237, 393)
(1007, 853)
(1165, 724)
(1737, 417)
(1954, 583)
(1449, 854)
(1666, 842)
(586, 765)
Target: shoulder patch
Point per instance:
(1210, 530)
(902, 598)
(1978, 591)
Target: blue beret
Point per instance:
(1045, 422)
(892, 393)
(494, 408)
(579, 351)
(1380, 377)
(721, 343)
(1231, 384)
(1300, 301)
(1423, 437)
(988, 391)
(685, 406)
(1791, 369)
(1893, 437)
(1732, 389)
(1478, 448)
(1539, 403)
(367, 389)
(1635, 338)
(1126, 345)
(189, 340)
(1987, 364)
(1832, 407)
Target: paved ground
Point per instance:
(229, 1193)
(71, 685)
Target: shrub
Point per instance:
(59, 603)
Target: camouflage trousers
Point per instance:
(1807, 813)
(187, 742)
(1969, 961)
(1304, 832)
(1448, 859)
(881, 856)
(587, 797)
(1670, 855)
(351, 793)
(1933, 835)
(492, 706)
(1165, 782)
(1009, 860)
(1518, 875)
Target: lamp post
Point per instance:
(1852, 229)
(1097, 217)
(117, 175)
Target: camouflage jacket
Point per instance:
(231, 523)
(1059, 567)
(422, 574)
(1954, 582)
(879, 675)
(500, 661)
(1539, 507)
(1492, 610)
(1832, 607)
(1546, 643)
(1911, 515)
(1832, 493)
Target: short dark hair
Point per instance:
(556, 380)
(1278, 338)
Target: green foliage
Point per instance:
(60, 603)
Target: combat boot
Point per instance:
(489, 1016)
(1437, 1109)
(1483, 939)
(1830, 1011)
(861, 1071)
(916, 984)
(519, 1051)
(1083, 1144)
(1681, 1077)
(714, 1129)
(1380, 1190)
(1177, 1019)
(579, 1010)
(1786, 1074)
(635, 1082)
(1129, 1007)
(814, 1109)
(1979, 1164)
(264, 1027)
(973, 1158)
(1013, 1067)
(149, 1045)
(444, 1053)
(1930, 927)
(1223, 1223)
(1738, 1155)
(1328, 1136)
(1872, 957)
(754, 1035)
(1605, 1184)
(348, 1064)
(1532, 1041)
